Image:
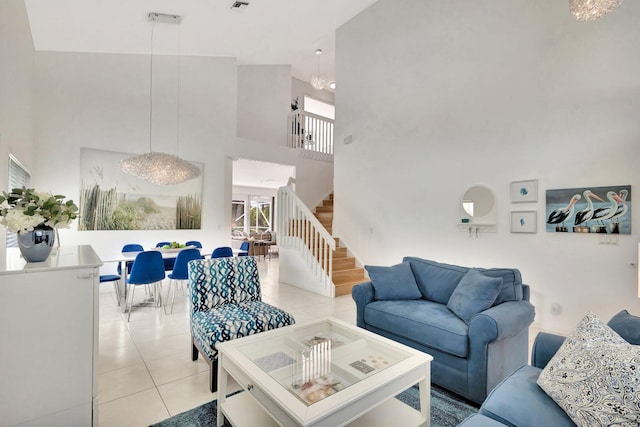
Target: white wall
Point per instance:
(102, 101)
(241, 190)
(439, 96)
(300, 88)
(54, 103)
(264, 98)
(16, 91)
(264, 93)
(314, 179)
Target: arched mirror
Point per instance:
(478, 206)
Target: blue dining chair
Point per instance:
(244, 249)
(129, 247)
(132, 247)
(222, 252)
(148, 269)
(168, 262)
(195, 243)
(180, 272)
(115, 278)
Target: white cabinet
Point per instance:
(49, 339)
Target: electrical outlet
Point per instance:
(556, 308)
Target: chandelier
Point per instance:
(317, 80)
(589, 10)
(160, 168)
(154, 167)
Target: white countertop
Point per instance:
(65, 257)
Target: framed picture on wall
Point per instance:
(524, 191)
(524, 221)
(604, 210)
(110, 199)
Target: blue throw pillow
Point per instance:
(436, 280)
(475, 293)
(627, 326)
(393, 283)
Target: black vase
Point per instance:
(36, 245)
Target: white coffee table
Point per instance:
(321, 373)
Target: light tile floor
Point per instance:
(145, 372)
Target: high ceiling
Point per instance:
(264, 32)
(252, 173)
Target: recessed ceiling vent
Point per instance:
(239, 5)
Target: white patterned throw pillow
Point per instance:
(595, 377)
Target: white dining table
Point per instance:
(121, 258)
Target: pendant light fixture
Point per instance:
(161, 168)
(589, 10)
(317, 80)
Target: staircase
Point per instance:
(345, 272)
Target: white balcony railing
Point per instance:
(300, 230)
(310, 132)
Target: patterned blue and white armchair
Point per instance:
(226, 304)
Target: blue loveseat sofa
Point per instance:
(519, 401)
(474, 322)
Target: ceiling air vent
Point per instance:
(239, 5)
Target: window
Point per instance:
(237, 217)
(318, 126)
(18, 177)
(260, 214)
(251, 214)
(319, 108)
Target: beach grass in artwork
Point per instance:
(113, 200)
(188, 212)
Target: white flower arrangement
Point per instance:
(23, 209)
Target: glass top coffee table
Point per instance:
(321, 373)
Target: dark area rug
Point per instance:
(447, 410)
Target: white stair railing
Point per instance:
(310, 132)
(300, 230)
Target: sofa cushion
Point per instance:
(393, 283)
(475, 293)
(627, 326)
(478, 420)
(519, 401)
(511, 283)
(425, 322)
(594, 376)
(435, 280)
(233, 321)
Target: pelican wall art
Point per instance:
(589, 210)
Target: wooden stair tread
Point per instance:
(345, 288)
(344, 263)
(346, 274)
(324, 209)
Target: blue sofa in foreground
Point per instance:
(519, 401)
(474, 322)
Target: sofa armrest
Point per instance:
(501, 321)
(362, 294)
(544, 347)
(526, 292)
(498, 344)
